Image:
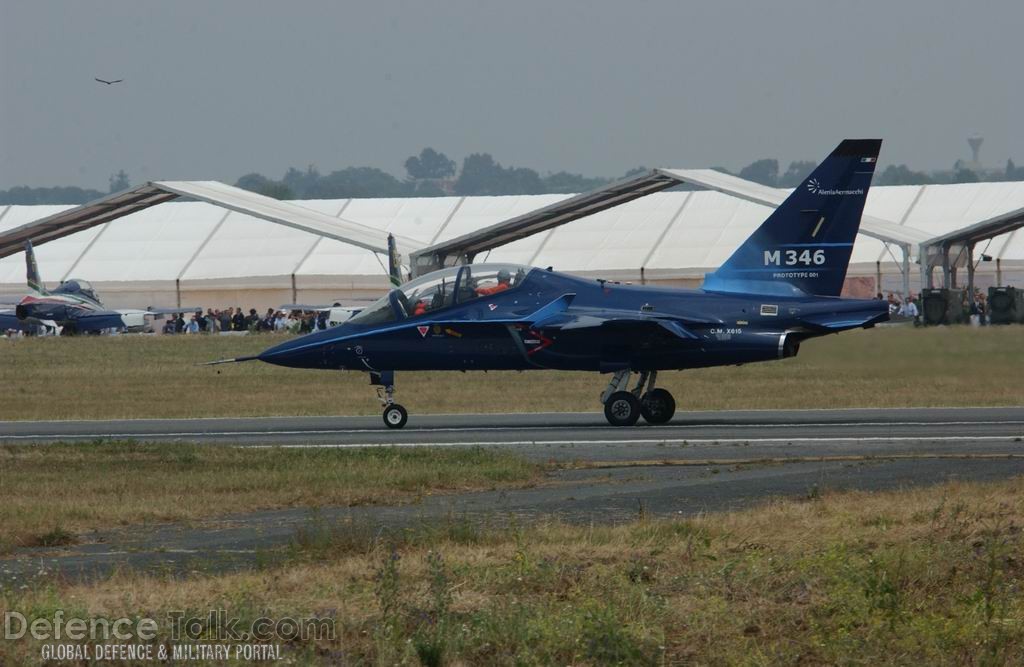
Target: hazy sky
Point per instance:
(216, 89)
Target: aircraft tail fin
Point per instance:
(34, 282)
(394, 262)
(804, 246)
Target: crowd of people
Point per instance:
(906, 308)
(976, 309)
(235, 319)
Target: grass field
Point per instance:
(50, 493)
(930, 576)
(126, 377)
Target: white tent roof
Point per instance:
(135, 200)
(871, 225)
(680, 233)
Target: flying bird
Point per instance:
(109, 82)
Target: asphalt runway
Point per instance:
(574, 435)
(701, 462)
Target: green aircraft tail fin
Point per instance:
(394, 262)
(34, 281)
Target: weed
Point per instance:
(431, 638)
(56, 537)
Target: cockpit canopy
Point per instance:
(440, 289)
(77, 286)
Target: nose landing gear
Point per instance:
(624, 407)
(394, 415)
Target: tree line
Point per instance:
(429, 174)
(433, 174)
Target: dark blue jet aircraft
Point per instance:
(73, 306)
(778, 289)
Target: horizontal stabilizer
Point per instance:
(833, 322)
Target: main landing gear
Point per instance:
(395, 415)
(624, 407)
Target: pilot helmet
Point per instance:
(504, 276)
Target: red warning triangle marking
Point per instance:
(423, 329)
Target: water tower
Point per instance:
(975, 141)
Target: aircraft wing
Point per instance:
(353, 305)
(99, 320)
(8, 320)
(158, 310)
(566, 319)
(304, 306)
(619, 321)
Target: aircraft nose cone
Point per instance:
(279, 352)
(313, 350)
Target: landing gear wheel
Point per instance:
(622, 409)
(395, 416)
(657, 406)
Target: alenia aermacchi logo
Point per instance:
(814, 185)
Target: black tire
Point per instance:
(657, 406)
(395, 416)
(622, 409)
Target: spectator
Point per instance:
(225, 319)
(267, 322)
(170, 326)
(909, 309)
(193, 324)
(978, 309)
(200, 320)
(252, 321)
(238, 321)
(179, 323)
(212, 321)
(894, 304)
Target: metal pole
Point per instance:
(970, 272)
(878, 276)
(945, 267)
(906, 271)
(999, 272)
(924, 260)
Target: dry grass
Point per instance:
(49, 493)
(928, 576)
(126, 377)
